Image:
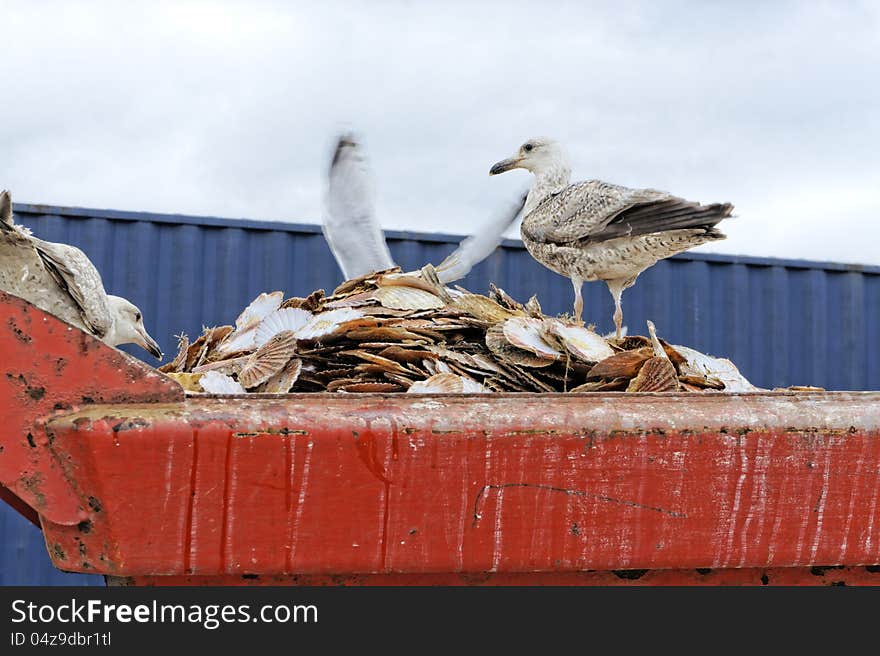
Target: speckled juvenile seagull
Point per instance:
(594, 230)
(61, 280)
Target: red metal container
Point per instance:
(131, 478)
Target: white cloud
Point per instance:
(230, 108)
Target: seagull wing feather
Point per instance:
(595, 211)
(480, 245)
(75, 273)
(349, 224)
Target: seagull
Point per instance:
(349, 224)
(355, 237)
(595, 230)
(61, 280)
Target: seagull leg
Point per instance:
(616, 288)
(578, 284)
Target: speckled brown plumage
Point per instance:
(595, 230)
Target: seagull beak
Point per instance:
(149, 344)
(505, 165)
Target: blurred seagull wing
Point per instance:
(479, 246)
(350, 225)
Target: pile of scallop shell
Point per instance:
(406, 332)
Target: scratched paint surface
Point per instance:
(131, 479)
(329, 484)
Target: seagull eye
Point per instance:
(528, 147)
(137, 316)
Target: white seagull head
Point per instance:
(539, 155)
(128, 326)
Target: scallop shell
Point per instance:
(405, 355)
(228, 366)
(339, 383)
(533, 308)
(615, 385)
(188, 381)
(526, 333)
(412, 279)
(242, 338)
(499, 295)
(445, 383)
(280, 320)
(281, 382)
(656, 375)
(482, 308)
(261, 306)
(197, 351)
(407, 298)
(583, 344)
(637, 341)
(177, 364)
(268, 359)
(361, 281)
(506, 352)
(327, 323)
(382, 333)
(436, 367)
(625, 364)
(700, 382)
(355, 300)
(384, 363)
(700, 364)
(312, 302)
(216, 383)
(238, 340)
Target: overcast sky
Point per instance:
(230, 108)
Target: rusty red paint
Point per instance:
(394, 488)
(506, 483)
(49, 367)
(802, 576)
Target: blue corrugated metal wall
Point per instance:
(782, 322)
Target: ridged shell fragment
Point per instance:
(268, 360)
(656, 375)
(327, 323)
(722, 369)
(625, 364)
(584, 344)
(507, 352)
(407, 298)
(280, 320)
(483, 308)
(527, 333)
(447, 383)
(281, 382)
(216, 383)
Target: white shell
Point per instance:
(407, 298)
(260, 307)
(581, 343)
(243, 338)
(327, 323)
(526, 333)
(280, 320)
(239, 340)
(700, 364)
(447, 384)
(216, 383)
